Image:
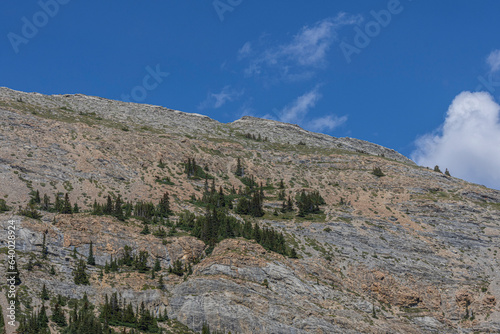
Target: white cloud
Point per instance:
(494, 61)
(326, 123)
(308, 49)
(468, 143)
(297, 111)
(217, 100)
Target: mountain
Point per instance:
(408, 250)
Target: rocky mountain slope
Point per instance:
(414, 251)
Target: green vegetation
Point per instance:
(3, 206)
(309, 203)
(80, 274)
(377, 171)
(193, 171)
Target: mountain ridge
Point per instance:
(137, 113)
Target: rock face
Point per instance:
(168, 121)
(293, 134)
(414, 251)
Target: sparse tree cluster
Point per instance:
(117, 312)
(37, 203)
(309, 202)
(254, 137)
(194, 171)
(136, 261)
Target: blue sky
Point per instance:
(390, 72)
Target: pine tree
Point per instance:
(205, 329)
(157, 266)
(58, 316)
(45, 203)
(44, 295)
(145, 229)
(90, 258)
(239, 168)
(164, 205)
(45, 251)
(118, 208)
(447, 172)
(80, 274)
(52, 270)
(108, 209)
(76, 209)
(43, 320)
(58, 204)
(436, 169)
(2, 322)
(141, 261)
(66, 206)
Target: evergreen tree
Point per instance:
(118, 208)
(58, 316)
(239, 168)
(52, 270)
(205, 329)
(157, 266)
(2, 321)
(35, 198)
(80, 274)
(58, 204)
(3, 206)
(255, 208)
(108, 209)
(45, 251)
(377, 171)
(447, 172)
(164, 206)
(46, 203)
(436, 169)
(43, 320)
(145, 229)
(76, 209)
(66, 206)
(30, 211)
(90, 258)
(161, 285)
(141, 261)
(177, 269)
(44, 295)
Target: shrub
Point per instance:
(377, 171)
